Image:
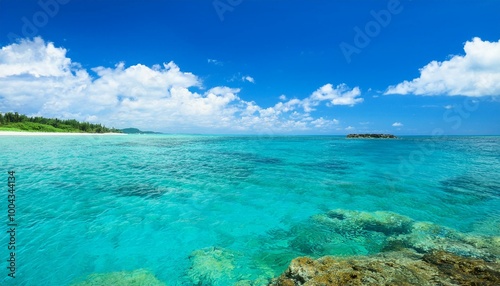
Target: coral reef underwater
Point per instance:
(341, 247)
(346, 247)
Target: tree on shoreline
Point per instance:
(37, 123)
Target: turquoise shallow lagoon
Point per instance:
(175, 205)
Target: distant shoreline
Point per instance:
(29, 133)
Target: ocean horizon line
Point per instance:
(28, 133)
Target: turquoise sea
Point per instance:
(214, 210)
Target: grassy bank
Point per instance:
(19, 122)
(36, 127)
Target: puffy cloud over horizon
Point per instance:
(340, 95)
(37, 78)
(475, 74)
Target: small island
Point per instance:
(138, 131)
(372, 136)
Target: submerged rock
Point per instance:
(358, 248)
(218, 266)
(426, 237)
(140, 277)
(388, 223)
(347, 232)
(395, 268)
(211, 266)
(400, 251)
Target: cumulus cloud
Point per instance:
(397, 124)
(35, 59)
(37, 78)
(248, 78)
(340, 95)
(348, 128)
(477, 73)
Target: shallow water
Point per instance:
(103, 204)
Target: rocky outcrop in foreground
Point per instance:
(356, 248)
(399, 251)
(393, 268)
(370, 136)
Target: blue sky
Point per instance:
(256, 67)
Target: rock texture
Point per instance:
(386, 248)
(387, 231)
(425, 237)
(377, 136)
(216, 266)
(356, 248)
(212, 266)
(394, 268)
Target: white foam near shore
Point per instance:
(20, 133)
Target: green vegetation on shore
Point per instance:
(19, 122)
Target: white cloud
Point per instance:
(38, 59)
(349, 128)
(248, 78)
(37, 78)
(449, 106)
(340, 95)
(215, 62)
(397, 124)
(477, 73)
(322, 123)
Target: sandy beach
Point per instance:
(19, 133)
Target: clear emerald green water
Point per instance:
(100, 204)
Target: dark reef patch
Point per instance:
(249, 158)
(140, 190)
(470, 186)
(331, 166)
